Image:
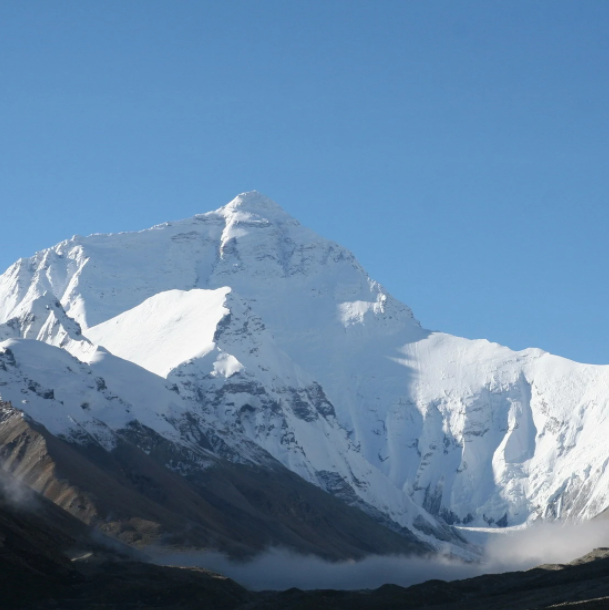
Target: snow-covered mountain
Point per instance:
(277, 339)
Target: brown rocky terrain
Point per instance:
(239, 509)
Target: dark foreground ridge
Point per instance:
(51, 560)
(103, 583)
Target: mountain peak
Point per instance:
(253, 202)
(253, 199)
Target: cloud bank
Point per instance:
(505, 550)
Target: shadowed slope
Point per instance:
(235, 508)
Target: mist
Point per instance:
(504, 551)
(15, 493)
(544, 543)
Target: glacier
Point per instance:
(276, 338)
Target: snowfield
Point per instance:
(276, 338)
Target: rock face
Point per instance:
(262, 339)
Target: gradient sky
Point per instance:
(459, 149)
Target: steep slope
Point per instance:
(35, 538)
(47, 555)
(44, 319)
(233, 373)
(37, 542)
(296, 349)
(159, 476)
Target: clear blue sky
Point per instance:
(459, 149)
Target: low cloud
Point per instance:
(505, 550)
(282, 569)
(15, 493)
(545, 543)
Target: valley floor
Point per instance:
(101, 583)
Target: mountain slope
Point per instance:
(242, 380)
(46, 555)
(160, 477)
(273, 333)
(49, 559)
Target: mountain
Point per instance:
(153, 477)
(49, 559)
(279, 346)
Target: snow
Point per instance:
(273, 334)
(227, 365)
(166, 330)
(62, 393)
(250, 386)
